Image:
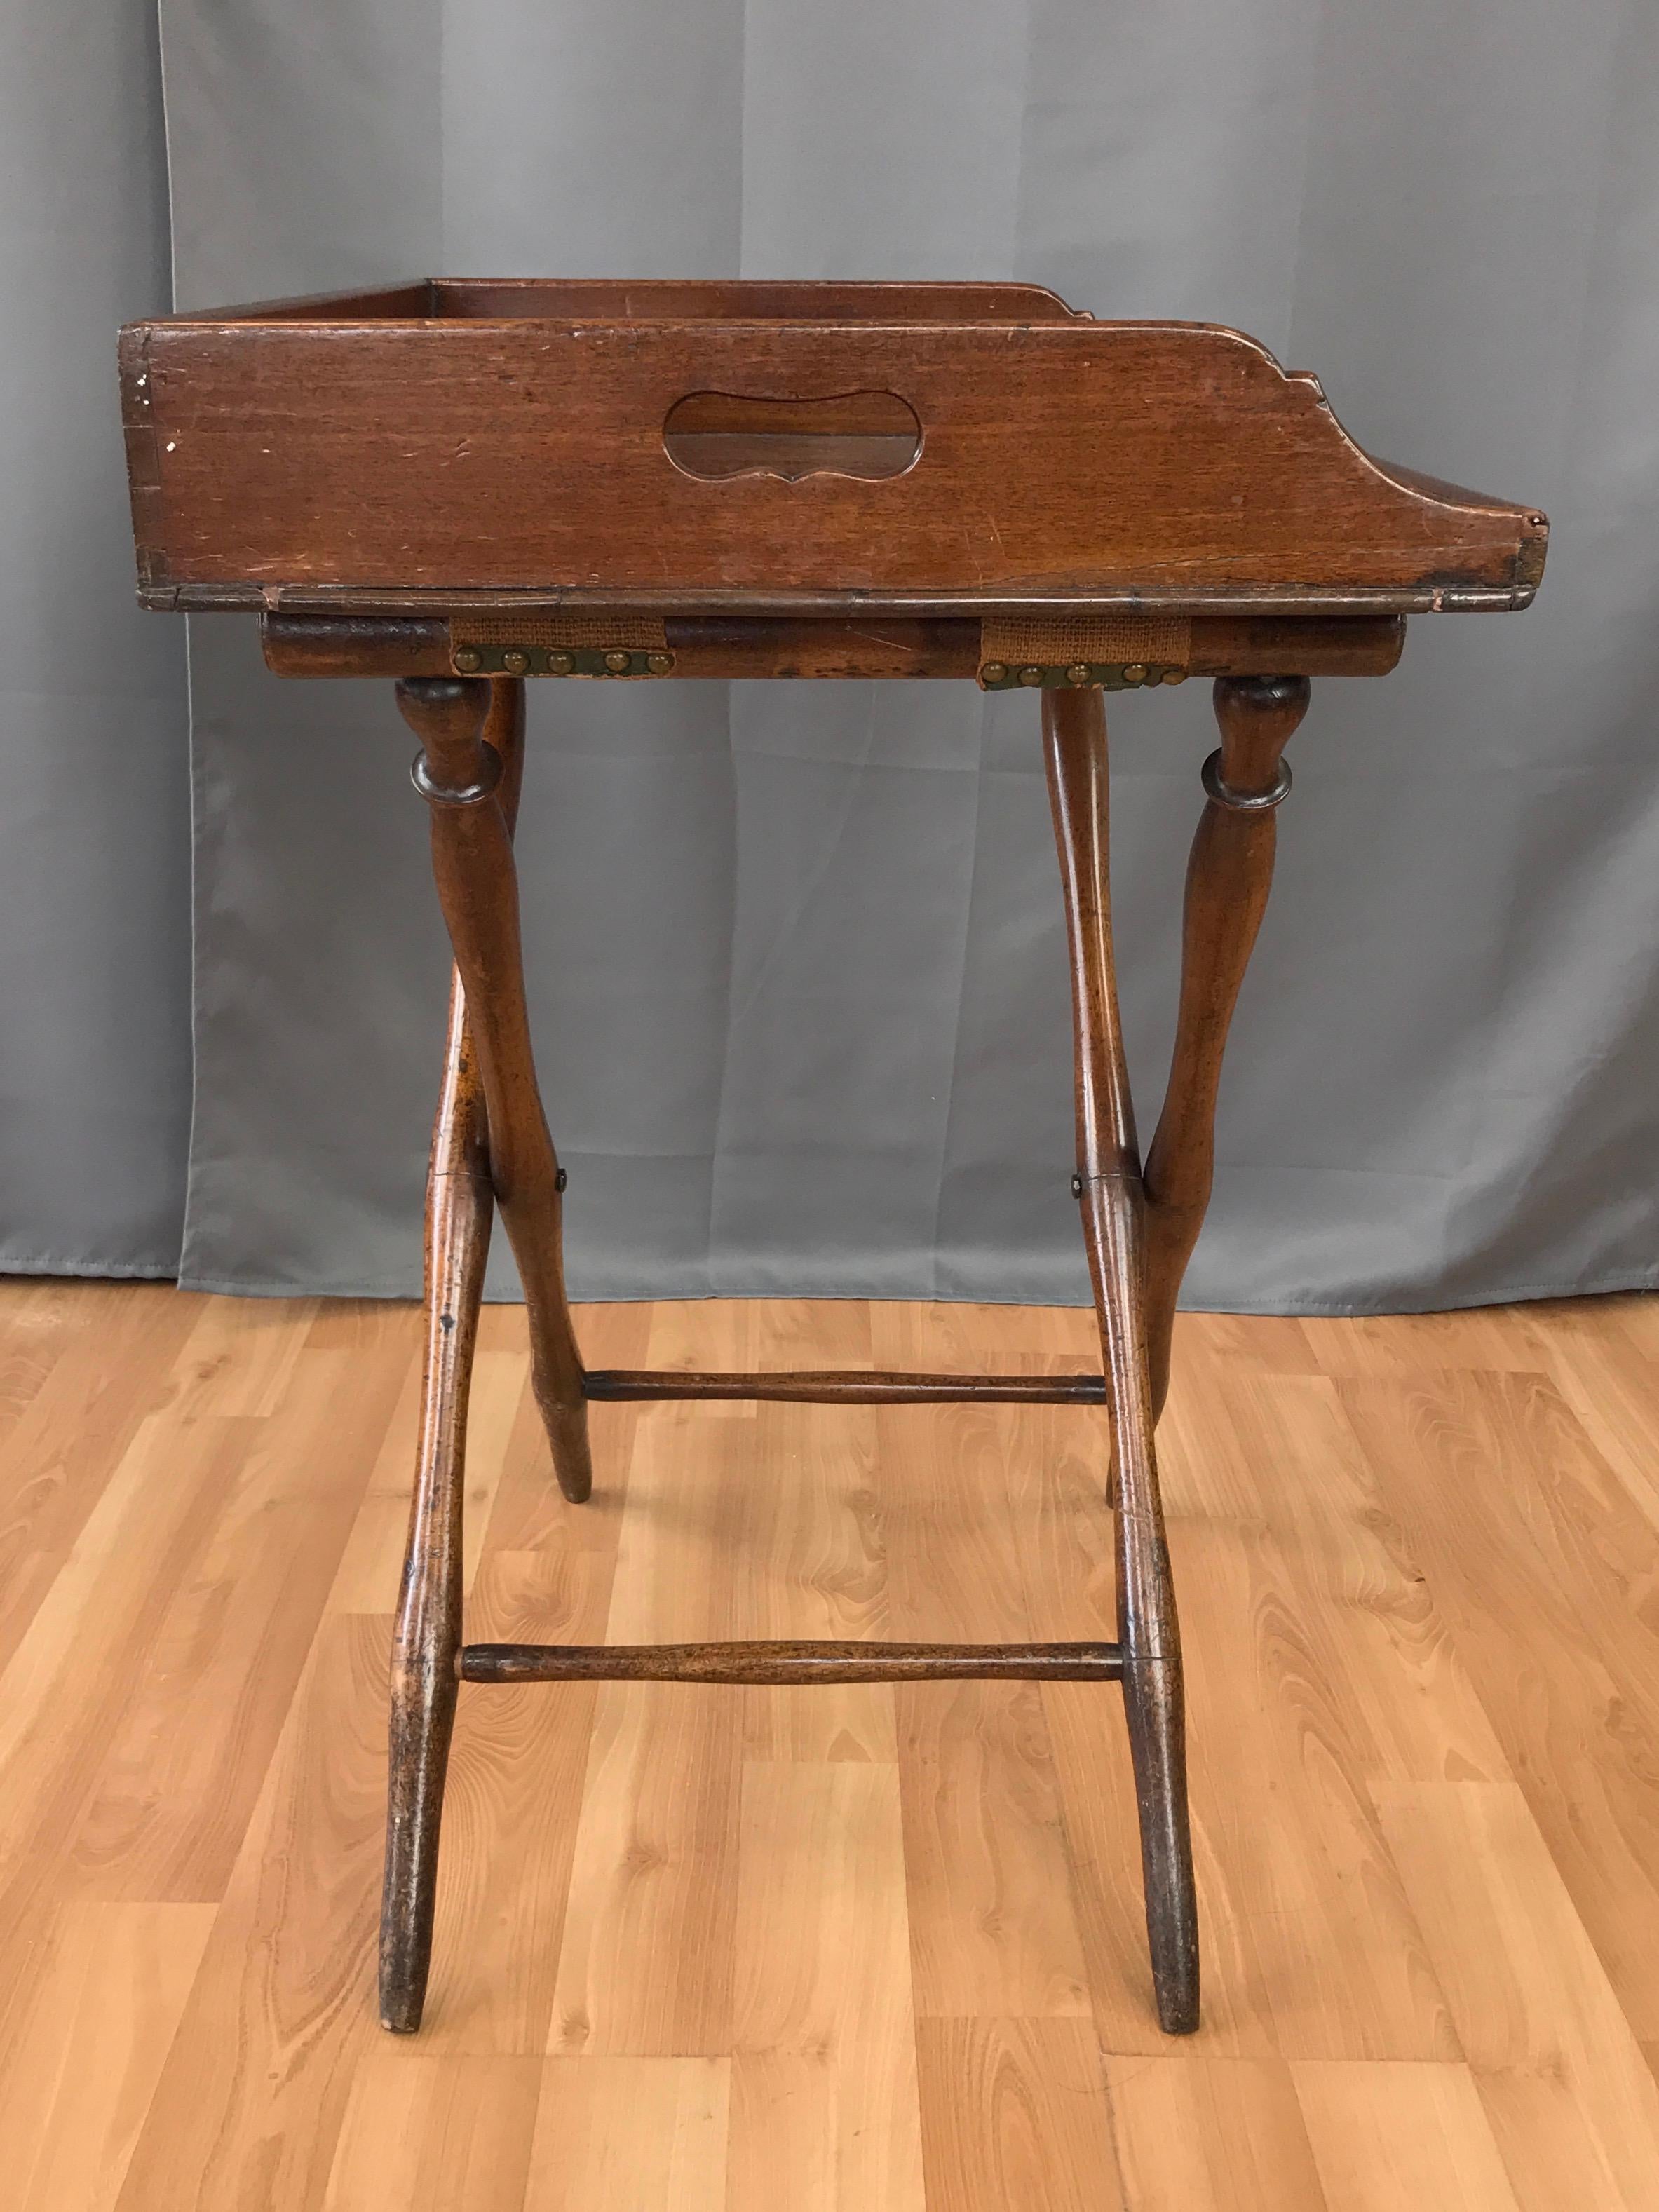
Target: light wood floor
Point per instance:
(713, 1950)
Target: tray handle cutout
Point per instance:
(715, 435)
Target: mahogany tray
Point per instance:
(425, 447)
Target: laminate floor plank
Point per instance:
(242, 1353)
(1481, 1340)
(1543, 1566)
(1312, 1948)
(1393, 2138)
(107, 2001)
(281, 2017)
(993, 1921)
(78, 1408)
(709, 1949)
(1601, 1353)
(645, 1958)
(810, 1561)
(1015, 2116)
(1293, 1901)
(42, 1319)
(431, 2130)
(824, 2022)
(1201, 2133)
(87, 1656)
(180, 1774)
(367, 1581)
(702, 1337)
(1527, 1989)
(628, 2133)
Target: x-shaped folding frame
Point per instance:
(491, 1147)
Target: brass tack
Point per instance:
(1078, 673)
(466, 660)
(560, 663)
(515, 661)
(994, 672)
(1033, 675)
(1135, 673)
(619, 663)
(659, 664)
(1174, 676)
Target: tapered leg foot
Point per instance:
(427, 1637)
(1228, 878)
(1153, 1698)
(1152, 1703)
(567, 1437)
(423, 1718)
(425, 1642)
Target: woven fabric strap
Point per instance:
(1120, 638)
(551, 630)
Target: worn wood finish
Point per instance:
(426, 1639)
(825, 1386)
(881, 648)
(791, 1663)
(427, 1634)
(745, 299)
(1228, 876)
(458, 775)
(354, 644)
(749, 299)
(1138, 464)
(1113, 1208)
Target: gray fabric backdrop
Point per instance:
(795, 952)
(94, 819)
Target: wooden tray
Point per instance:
(772, 450)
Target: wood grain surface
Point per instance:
(714, 1949)
(822, 648)
(283, 458)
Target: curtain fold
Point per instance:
(95, 826)
(795, 952)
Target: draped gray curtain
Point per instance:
(94, 790)
(795, 953)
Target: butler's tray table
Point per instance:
(461, 485)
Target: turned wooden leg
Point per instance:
(426, 1642)
(460, 1206)
(1110, 1196)
(1228, 878)
(458, 774)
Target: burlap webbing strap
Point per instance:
(581, 628)
(1115, 639)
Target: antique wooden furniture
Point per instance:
(463, 484)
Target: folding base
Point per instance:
(491, 1147)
